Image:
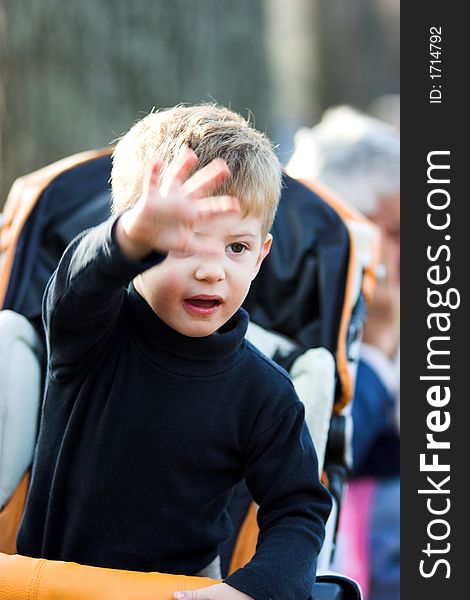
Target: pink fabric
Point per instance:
(352, 551)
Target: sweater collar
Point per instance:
(182, 354)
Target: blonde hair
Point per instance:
(212, 132)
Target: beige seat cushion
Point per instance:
(20, 393)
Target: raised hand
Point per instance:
(164, 216)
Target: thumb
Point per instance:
(185, 596)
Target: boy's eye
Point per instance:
(236, 248)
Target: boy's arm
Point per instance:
(85, 295)
(282, 475)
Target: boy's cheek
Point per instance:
(162, 277)
(168, 285)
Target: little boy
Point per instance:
(156, 405)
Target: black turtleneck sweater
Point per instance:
(144, 432)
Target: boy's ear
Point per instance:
(265, 248)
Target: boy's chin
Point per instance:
(198, 330)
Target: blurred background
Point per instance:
(75, 75)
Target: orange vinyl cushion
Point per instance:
(10, 517)
(23, 578)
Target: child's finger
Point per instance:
(199, 244)
(152, 176)
(206, 179)
(187, 241)
(185, 596)
(208, 247)
(181, 168)
(216, 205)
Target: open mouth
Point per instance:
(202, 305)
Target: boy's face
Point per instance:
(387, 217)
(197, 293)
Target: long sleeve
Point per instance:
(84, 296)
(374, 412)
(282, 476)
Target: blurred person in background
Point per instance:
(358, 157)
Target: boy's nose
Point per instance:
(210, 270)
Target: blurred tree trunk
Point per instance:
(77, 74)
(327, 52)
(292, 39)
(359, 45)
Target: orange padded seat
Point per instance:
(23, 578)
